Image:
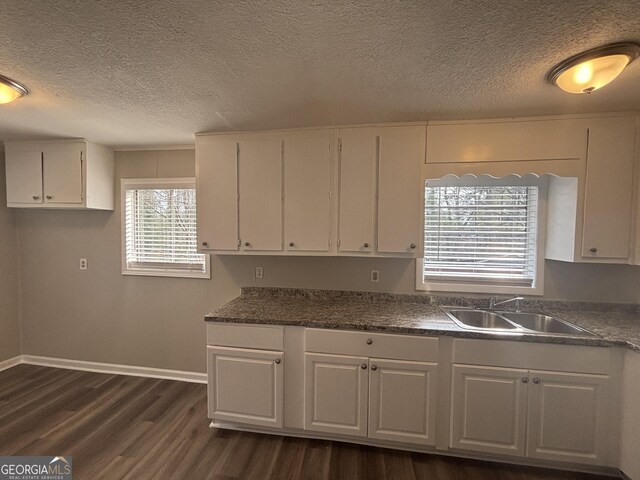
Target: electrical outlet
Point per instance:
(375, 276)
(83, 264)
(259, 272)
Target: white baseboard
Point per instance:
(10, 362)
(113, 368)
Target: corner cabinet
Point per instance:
(291, 192)
(63, 174)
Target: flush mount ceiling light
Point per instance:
(588, 71)
(11, 90)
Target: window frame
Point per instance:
(127, 184)
(537, 288)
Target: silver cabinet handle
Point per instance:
(205, 244)
(246, 244)
(363, 366)
(277, 360)
(49, 197)
(36, 197)
(412, 246)
(366, 245)
(291, 244)
(537, 381)
(593, 249)
(369, 341)
(374, 367)
(525, 379)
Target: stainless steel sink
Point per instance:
(542, 323)
(513, 322)
(479, 319)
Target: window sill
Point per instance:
(164, 273)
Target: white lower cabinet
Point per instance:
(246, 386)
(369, 397)
(489, 409)
(539, 414)
(402, 401)
(566, 415)
(493, 398)
(336, 393)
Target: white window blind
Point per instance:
(160, 229)
(481, 234)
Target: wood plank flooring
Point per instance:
(120, 427)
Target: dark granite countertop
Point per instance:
(614, 324)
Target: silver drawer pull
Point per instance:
(525, 380)
(369, 341)
(537, 381)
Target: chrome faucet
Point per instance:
(493, 302)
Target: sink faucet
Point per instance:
(493, 302)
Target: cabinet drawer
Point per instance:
(532, 356)
(264, 337)
(367, 344)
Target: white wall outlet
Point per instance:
(375, 276)
(83, 264)
(259, 272)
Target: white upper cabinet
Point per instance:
(59, 174)
(358, 160)
(609, 188)
(590, 215)
(260, 189)
(217, 193)
(308, 180)
(24, 176)
(401, 156)
(379, 177)
(273, 193)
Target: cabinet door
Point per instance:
(307, 191)
(62, 174)
(24, 176)
(402, 401)
(357, 176)
(245, 386)
(217, 193)
(260, 203)
(489, 409)
(567, 417)
(401, 156)
(609, 188)
(336, 391)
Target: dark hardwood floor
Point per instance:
(139, 428)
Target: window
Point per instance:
(482, 235)
(159, 229)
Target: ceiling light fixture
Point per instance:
(10, 90)
(593, 69)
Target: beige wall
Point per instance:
(100, 315)
(9, 291)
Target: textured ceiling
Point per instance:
(141, 72)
